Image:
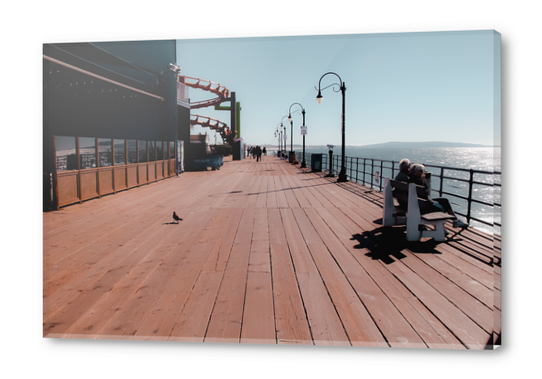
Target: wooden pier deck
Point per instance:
(265, 253)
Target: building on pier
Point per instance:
(111, 117)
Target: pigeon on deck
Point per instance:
(176, 218)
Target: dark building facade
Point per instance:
(110, 117)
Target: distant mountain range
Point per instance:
(396, 145)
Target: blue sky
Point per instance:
(400, 86)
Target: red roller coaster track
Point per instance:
(206, 85)
(222, 94)
(211, 123)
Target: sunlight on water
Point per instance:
(479, 158)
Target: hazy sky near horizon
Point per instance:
(400, 86)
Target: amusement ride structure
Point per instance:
(222, 95)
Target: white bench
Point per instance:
(393, 215)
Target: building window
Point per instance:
(171, 150)
(142, 151)
(106, 152)
(152, 151)
(120, 152)
(87, 152)
(159, 151)
(66, 155)
(132, 151)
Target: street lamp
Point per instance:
(285, 134)
(319, 99)
(303, 164)
(278, 133)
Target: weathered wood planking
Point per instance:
(258, 317)
(225, 322)
(326, 327)
(266, 253)
(290, 319)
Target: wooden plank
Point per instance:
(290, 320)
(59, 320)
(469, 283)
(288, 192)
(258, 324)
(459, 293)
(325, 325)
(281, 197)
(301, 255)
(139, 305)
(253, 193)
(469, 305)
(467, 263)
(88, 217)
(62, 291)
(298, 191)
(432, 332)
(309, 192)
(260, 259)
(261, 201)
(272, 193)
(218, 258)
(258, 316)
(378, 318)
(318, 189)
(225, 323)
(194, 318)
(61, 272)
(467, 331)
(357, 322)
(167, 309)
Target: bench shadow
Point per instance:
(387, 244)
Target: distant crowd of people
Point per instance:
(255, 152)
(415, 173)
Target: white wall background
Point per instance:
(26, 26)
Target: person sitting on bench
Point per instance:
(402, 176)
(404, 171)
(439, 204)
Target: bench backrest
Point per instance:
(403, 187)
(401, 191)
(415, 196)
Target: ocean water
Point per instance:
(443, 162)
(477, 158)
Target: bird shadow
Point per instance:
(171, 223)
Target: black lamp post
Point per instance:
(319, 99)
(275, 134)
(303, 164)
(278, 133)
(285, 134)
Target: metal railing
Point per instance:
(467, 189)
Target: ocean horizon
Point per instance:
(484, 158)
